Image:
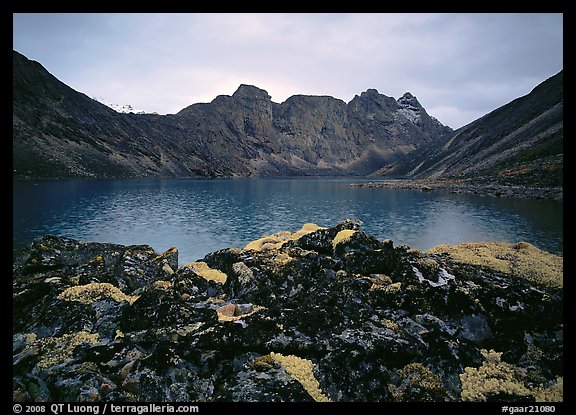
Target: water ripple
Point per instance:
(200, 216)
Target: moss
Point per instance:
(283, 259)
(189, 329)
(301, 370)
(343, 236)
(203, 270)
(165, 285)
(278, 239)
(421, 261)
(393, 288)
(554, 393)
(265, 362)
(496, 377)
(167, 269)
(264, 243)
(56, 350)
(421, 376)
(231, 312)
(87, 294)
(391, 325)
(379, 281)
(170, 251)
(521, 260)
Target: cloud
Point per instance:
(459, 64)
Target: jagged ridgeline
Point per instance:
(59, 132)
(318, 314)
(520, 143)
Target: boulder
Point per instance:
(320, 314)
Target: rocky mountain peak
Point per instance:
(370, 93)
(251, 92)
(409, 101)
(529, 128)
(234, 135)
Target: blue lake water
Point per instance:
(199, 216)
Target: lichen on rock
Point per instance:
(202, 269)
(56, 350)
(353, 320)
(521, 260)
(301, 370)
(498, 380)
(343, 236)
(277, 240)
(89, 293)
(233, 312)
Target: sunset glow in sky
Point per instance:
(459, 66)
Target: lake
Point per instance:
(199, 216)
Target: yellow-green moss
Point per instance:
(183, 331)
(283, 259)
(56, 350)
(265, 362)
(421, 261)
(301, 370)
(203, 270)
(420, 375)
(167, 269)
(393, 288)
(230, 312)
(495, 376)
(522, 260)
(165, 285)
(391, 325)
(278, 239)
(554, 393)
(170, 251)
(379, 281)
(343, 236)
(87, 294)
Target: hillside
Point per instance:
(520, 143)
(60, 132)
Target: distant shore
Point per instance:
(466, 187)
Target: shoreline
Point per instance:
(461, 187)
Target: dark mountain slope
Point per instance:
(59, 132)
(519, 143)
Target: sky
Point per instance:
(459, 66)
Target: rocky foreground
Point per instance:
(314, 315)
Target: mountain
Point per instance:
(520, 143)
(59, 132)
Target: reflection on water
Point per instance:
(201, 216)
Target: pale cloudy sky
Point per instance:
(459, 66)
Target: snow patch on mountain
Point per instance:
(125, 109)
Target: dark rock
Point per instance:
(332, 314)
